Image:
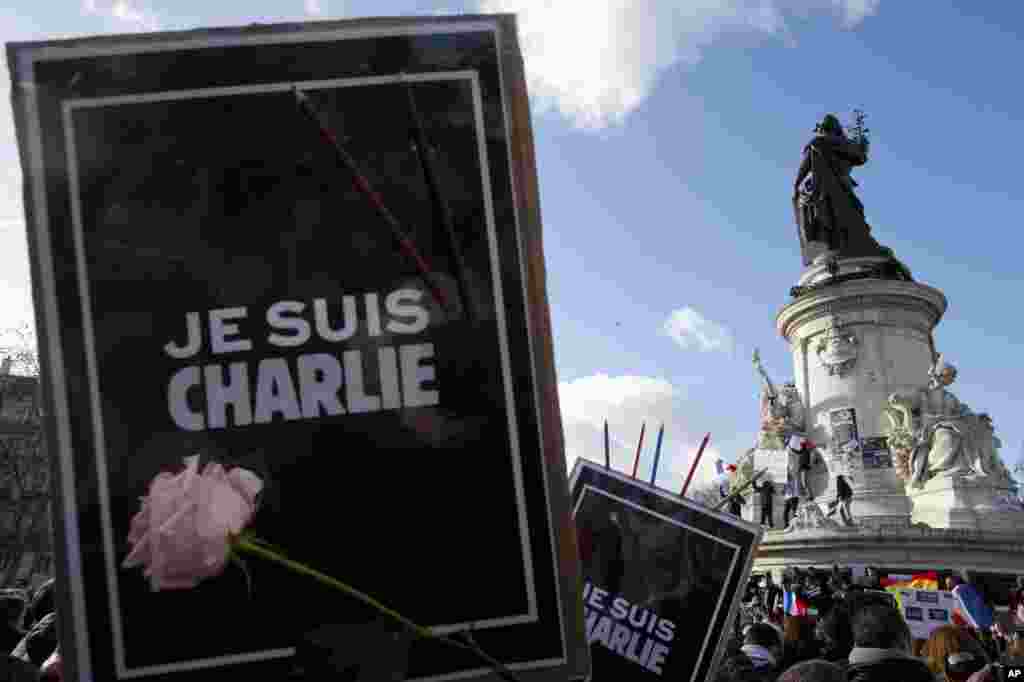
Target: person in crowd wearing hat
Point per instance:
(881, 651)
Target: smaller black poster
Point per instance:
(663, 577)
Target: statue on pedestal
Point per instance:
(782, 412)
(827, 210)
(944, 436)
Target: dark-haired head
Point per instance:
(814, 671)
(762, 634)
(834, 634)
(880, 626)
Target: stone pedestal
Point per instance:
(906, 549)
(855, 343)
(965, 503)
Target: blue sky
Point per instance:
(668, 135)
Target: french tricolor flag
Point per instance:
(793, 605)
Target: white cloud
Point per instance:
(628, 402)
(595, 63)
(856, 11)
(313, 8)
(693, 331)
(128, 12)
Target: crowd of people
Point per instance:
(29, 634)
(859, 635)
(855, 634)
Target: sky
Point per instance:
(667, 136)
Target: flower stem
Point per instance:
(256, 547)
(253, 548)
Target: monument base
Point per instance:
(907, 549)
(880, 509)
(965, 503)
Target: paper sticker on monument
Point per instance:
(845, 437)
(298, 255)
(876, 453)
(662, 576)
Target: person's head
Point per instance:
(814, 671)
(1015, 648)
(762, 634)
(960, 666)
(880, 626)
(735, 668)
(946, 641)
(834, 633)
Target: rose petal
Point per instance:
(213, 472)
(180, 535)
(246, 482)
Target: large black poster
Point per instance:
(663, 577)
(212, 281)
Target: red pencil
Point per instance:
(636, 462)
(363, 185)
(693, 467)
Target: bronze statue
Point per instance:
(828, 211)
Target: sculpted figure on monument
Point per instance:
(782, 412)
(947, 438)
(987, 461)
(827, 210)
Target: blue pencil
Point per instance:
(657, 454)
